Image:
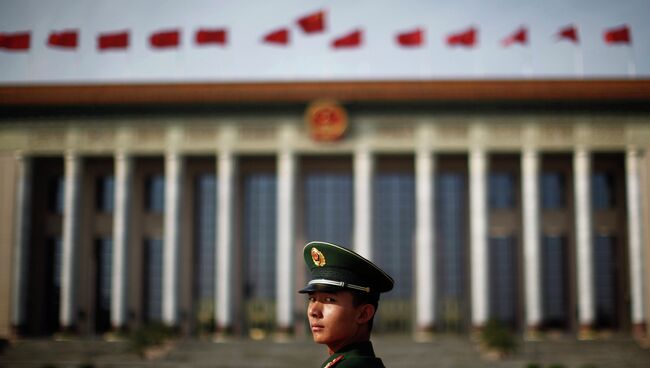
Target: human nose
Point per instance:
(315, 309)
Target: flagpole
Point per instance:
(631, 62)
(528, 63)
(578, 62)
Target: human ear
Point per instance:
(365, 313)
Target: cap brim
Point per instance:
(320, 287)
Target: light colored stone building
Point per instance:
(536, 216)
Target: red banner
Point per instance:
(15, 41)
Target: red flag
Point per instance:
(465, 38)
(520, 36)
(64, 39)
(352, 39)
(165, 39)
(217, 36)
(568, 33)
(313, 23)
(618, 35)
(411, 39)
(279, 37)
(117, 40)
(15, 41)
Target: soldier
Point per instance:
(343, 299)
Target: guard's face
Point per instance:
(333, 318)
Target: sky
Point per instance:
(310, 57)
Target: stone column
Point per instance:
(532, 257)
(363, 175)
(424, 243)
(225, 247)
(21, 243)
(121, 218)
(478, 235)
(635, 231)
(171, 262)
(584, 246)
(286, 172)
(72, 194)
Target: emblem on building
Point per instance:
(318, 257)
(326, 121)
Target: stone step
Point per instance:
(442, 352)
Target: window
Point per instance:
(153, 279)
(328, 207)
(104, 261)
(205, 236)
(394, 224)
(553, 191)
(55, 194)
(503, 280)
(451, 230)
(155, 193)
(501, 190)
(605, 280)
(104, 194)
(554, 280)
(603, 190)
(260, 234)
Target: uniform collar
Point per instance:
(357, 349)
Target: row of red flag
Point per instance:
(310, 24)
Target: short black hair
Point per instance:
(360, 298)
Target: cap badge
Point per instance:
(317, 257)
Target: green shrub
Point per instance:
(556, 366)
(149, 335)
(533, 365)
(498, 337)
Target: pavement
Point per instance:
(440, 352)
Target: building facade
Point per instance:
(538, 219)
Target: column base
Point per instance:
(283, 334)
(15, 332)
(639, 330)
(533, 333)
(223, 333)
(424, 333)
(117, 333)
(586, 332)
(66, 333)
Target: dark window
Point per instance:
(52, 276)
(328, 207)
(55, 194)
(503, 280)
(260, 234)
(394, 223)
(553, 191)
(502, 190)
(451, 230)
(603, 190)
(206, 232)
(155, 193)
(153, 279)
(104, 261)
(105, 193)
(554, 281)
(605, 280)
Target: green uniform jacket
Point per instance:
(358, 355)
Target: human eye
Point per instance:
(330, 299)
(311, 299)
